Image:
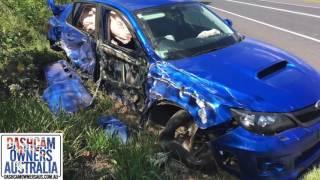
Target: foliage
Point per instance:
(314, 174)
(17, 32)
(23, 46)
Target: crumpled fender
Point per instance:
(209, 103)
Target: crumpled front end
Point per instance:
(282, 156)
(250, 155)
(209, 103)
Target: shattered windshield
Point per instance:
(185, 30)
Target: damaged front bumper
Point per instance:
(282, 156)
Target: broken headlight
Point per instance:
(263, 123)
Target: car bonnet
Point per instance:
(275, 80)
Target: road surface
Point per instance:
(293, 25)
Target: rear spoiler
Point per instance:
(56, 9)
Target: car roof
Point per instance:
(134, 5)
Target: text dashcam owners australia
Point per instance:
(31, 156)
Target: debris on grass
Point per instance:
(65, 92)
(114, 128)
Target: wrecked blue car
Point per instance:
(212, 91)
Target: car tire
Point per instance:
(184, 149)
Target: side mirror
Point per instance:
(242, 37)
(228, 22)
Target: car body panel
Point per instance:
(167, 83)
(208, 86)
(285, 90)
(133, 5)
(284, 156)
(80, 48)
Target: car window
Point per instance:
(72, 16)
(119, 34)
(191, 17)
(83, 18)
(184, 30)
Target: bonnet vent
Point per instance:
(272, 69)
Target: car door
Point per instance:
(78, 38)
(124, 67)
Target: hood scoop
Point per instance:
(272, 69)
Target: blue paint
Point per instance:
(284, 150)
(65, 92)
(133, 5)
(236, 68)
(67, 96)
(79, 49)
(114, 128)
(228, 78)
(55, 8)
(59, 71)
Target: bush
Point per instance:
(24, 49)
(34, 12)
(16, 35)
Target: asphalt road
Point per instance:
(293, 25)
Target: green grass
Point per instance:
(312, 175)
(84, 141)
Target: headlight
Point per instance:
(263, 123)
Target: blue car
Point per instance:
(216, 96)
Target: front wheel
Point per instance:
(180, 138)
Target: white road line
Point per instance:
(269, 25)
(291, 4)
(276, 9)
